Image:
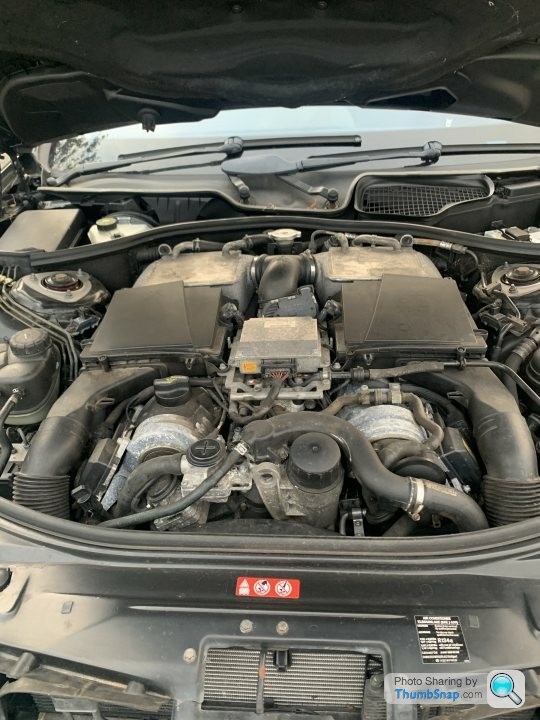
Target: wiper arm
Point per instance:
(275, 165)
(233, 147)
(429, 154)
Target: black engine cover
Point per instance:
(157, 321)
(406, 316)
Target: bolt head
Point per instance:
(282, 628)
(190, 655)
(246, 626)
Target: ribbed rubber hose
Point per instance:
(49, 495)
(43, 481)
(511, 486)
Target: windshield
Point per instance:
(378, 128)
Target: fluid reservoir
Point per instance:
(112, 227)
(29, 362)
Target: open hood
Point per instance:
(68, 67)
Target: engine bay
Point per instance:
(322, 382)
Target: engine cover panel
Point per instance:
(156, 319)
(406, 315)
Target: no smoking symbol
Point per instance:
(284, 588)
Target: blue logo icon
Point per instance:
(506, 688)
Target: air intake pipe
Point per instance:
(411, 494)
(511, 484)
(280, 276)
(43, 481)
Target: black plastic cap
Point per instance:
(172, 391)
(30, 342)
(314, 463)
(206, 452)
(107, 223)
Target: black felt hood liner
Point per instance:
(72, 66)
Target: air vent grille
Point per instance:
(46, 705)
(312, 681)
(231, 675)
(416, 200)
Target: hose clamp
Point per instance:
(446, 245)
(416, 498)
(312, 270)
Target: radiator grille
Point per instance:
(416, 200)
(45, 704)
(232, 676)
(313, 681)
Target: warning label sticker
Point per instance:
(441, 639)
(268, 587)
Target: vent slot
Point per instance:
(231, 677)
(314, 681)
(47, 705)
(416, 199)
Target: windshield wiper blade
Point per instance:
(429, 154)
(275, 165)
(232, 147)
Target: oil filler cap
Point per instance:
(206, 452)
(28, 342)
(172, 391)
(314, 463)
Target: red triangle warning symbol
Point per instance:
(243, 587)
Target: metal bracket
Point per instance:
(330, 194)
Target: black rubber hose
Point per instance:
(49, 495)
(263, 409)
(115, 415)
(407, 493)
(511, 485)
(57, 447)
(141, 476)
(146, 516)
(454, 414)
(196, 246)
(518, 356)
(404, 526)
(514, 362)
(376, 240)
(512, 374)
(399, 449)
(249, 242)
(435, 366)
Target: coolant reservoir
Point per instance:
(112, 227)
